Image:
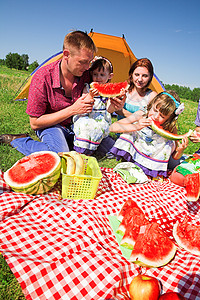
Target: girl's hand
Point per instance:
(181, 146)
(144, 122)
(195, 136)
(118, 102)
(93, 92)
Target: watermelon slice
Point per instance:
(153, 248)
(166, 134)
(110, 89)
(192, 186)
(187, 236)
(128, 204)
(132, 222)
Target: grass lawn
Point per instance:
(15, 120)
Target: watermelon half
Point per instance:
(187, 236)
(153, 248)
(34, 174)
(192, 186)
(110, 89)
(166, 134)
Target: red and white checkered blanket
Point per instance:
(65, 249)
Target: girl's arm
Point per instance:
(180, 147)
(130, 124)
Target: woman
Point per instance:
(138, 95)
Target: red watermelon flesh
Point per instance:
(153, 248)
(187, 236)
(30, 167)
(133, 220)
(109, 89)
(192, 186)
(128, 204)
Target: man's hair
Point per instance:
(79, 39)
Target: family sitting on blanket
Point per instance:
(138, 143)
(55, 96)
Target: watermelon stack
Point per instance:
(150, 246)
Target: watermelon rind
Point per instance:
(41, 183)
(168, 135)
(183, 242)
(153, 248)
(110, 89)
(142, 261)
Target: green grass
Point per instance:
(15, 120)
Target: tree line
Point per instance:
(184, 92)
(19, 62)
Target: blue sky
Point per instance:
(168, 33)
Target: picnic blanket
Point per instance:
(66, 249)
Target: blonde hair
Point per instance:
(78, 40)
(166, 105)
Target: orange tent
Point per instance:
(112, 47)
(119, 53)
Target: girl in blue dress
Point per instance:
(141, 145)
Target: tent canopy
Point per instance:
(112, 47)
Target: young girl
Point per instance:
(138, 95)
(91, 128)
(141, 145)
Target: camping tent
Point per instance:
(112, 47)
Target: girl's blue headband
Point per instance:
(175, 101)
(179, 107)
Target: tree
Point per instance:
(33, 66)
(25, 59)
(16, 61)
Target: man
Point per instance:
(55, 96)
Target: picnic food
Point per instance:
(192, 186)
(130, 226)
(126, 206)
(109, 89)
(144, 287)
(152, 248)
(171, 296)
(187, 236)
(166, 134)
(74, 162)
(34, 174)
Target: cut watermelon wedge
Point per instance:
(110, 89)
(166, 134)
(132, 222)
(187, 236)
(128, 204)
(192, 186)
(153, 248)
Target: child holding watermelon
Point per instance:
(91, 128)
(141, 145)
